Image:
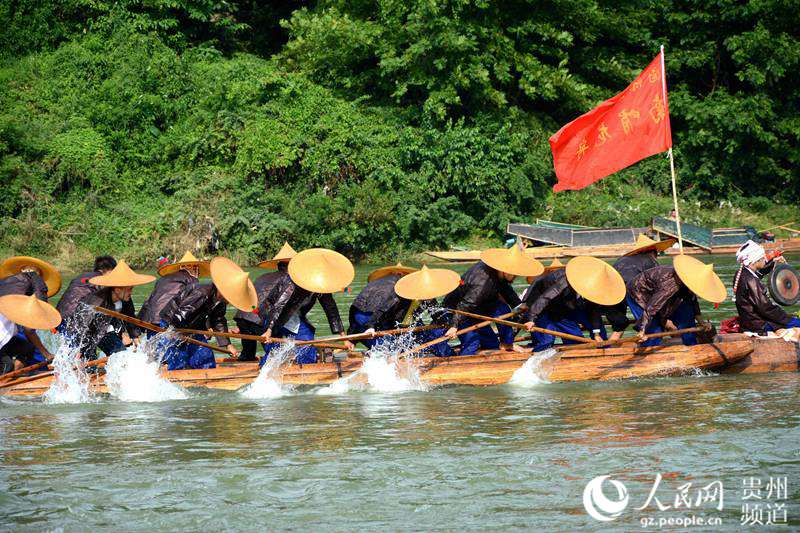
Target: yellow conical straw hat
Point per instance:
(29, 311)
(234, 284)
(321, 270)
(554, 265)
(700, 278)
(50, 276)
(512, 261)
(122, 276)
(188, 260)
(645, 244)
(382, 272)
(427, 283)
(595, 280)
(284, 255)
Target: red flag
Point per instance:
(619, 132)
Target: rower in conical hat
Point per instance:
(29, 311)
(642, 256)
(174, 278)
(283, 256)
(80, 287)
(646, 244)
(574, 298)
(383, 305)
(203, 305)
(555, 264)
(252, 323)
(23, 275)
(486, 290)
(377, 307)
(88, 330)
(313, 275)
(428, 284)
(665, 297)
(30, 314)
(391, 270)
(194, 266)
(28, 275)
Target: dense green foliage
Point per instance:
(373, 127)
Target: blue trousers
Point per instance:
(683, 318)
(306, 355)
(485, 338)
(361, 326)
(571, 324)
(182, 356)
(793, 323)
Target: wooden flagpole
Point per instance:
(671, 159)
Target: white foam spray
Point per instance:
(134, 375)
(267, 384)
(71, 382)
(382, 371)
(535, 370)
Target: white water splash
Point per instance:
(71, 382)
(267, 384)
(382, 371)
(134, 375)
(535, 370)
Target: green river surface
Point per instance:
(454, 458)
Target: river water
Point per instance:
(512, 457)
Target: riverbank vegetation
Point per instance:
(379, 128)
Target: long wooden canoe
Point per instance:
(488, 368)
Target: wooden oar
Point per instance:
(518, 325)
(624, 340)
(99, 362)
(11, 375)
(459, 332)
(259, 338)
(157, 329)
(362, 336)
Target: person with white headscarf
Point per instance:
(757, 312)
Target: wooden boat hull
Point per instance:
(768, 355)
(489, 368)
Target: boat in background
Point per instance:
(548, 232)
(568, 240)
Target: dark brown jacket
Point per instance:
(286, 298)
(481, 287)
(197, 307)
(631, 266)
(659, 292)
(78, 289)
(25, 283)
(551, 294)
(378, 297)
(89, 333)
(165, 290)
(754, 306)
(263, 284)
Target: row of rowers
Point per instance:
(569, 299)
